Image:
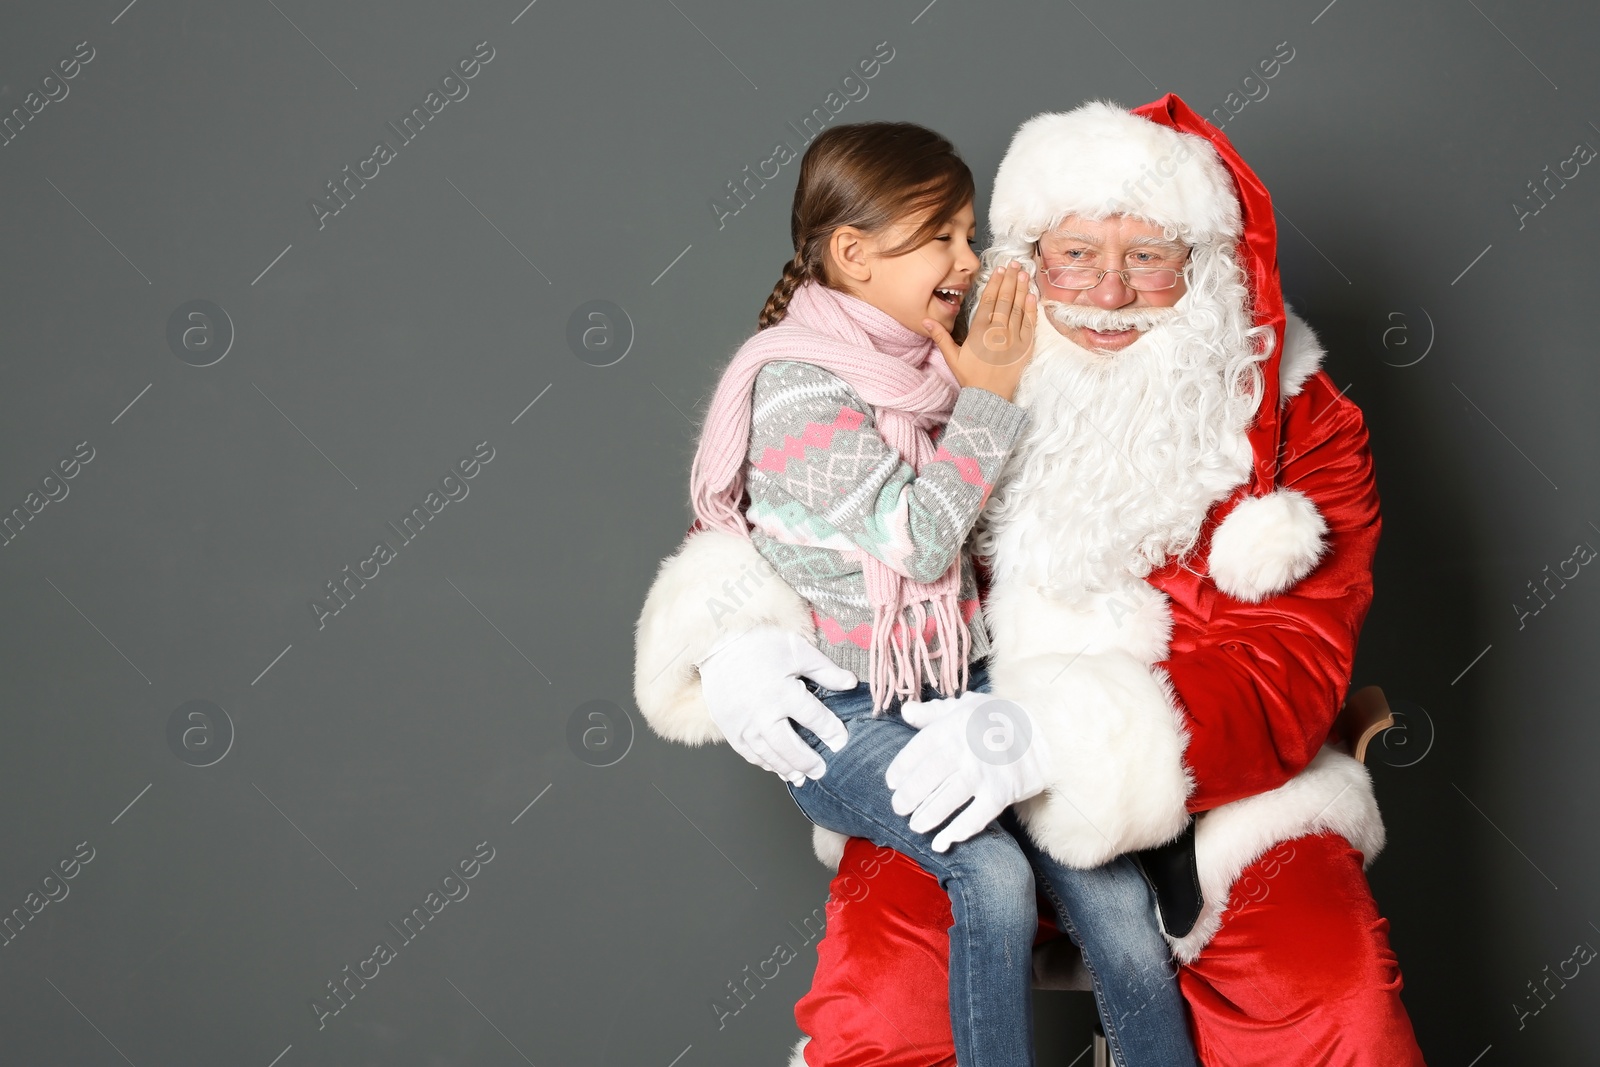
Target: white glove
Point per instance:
(752, 689)
(976, 747)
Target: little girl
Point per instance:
(822, 437)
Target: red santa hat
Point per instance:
(1164, 163)
(1099, 160)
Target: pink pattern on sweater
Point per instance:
(815, 435)
(966, 466)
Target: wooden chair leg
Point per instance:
(1364, 716)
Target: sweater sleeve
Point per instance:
(821, 475)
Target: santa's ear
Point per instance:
(1266, 544)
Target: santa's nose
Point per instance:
(1112, 292)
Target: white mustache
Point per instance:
(1107, 320)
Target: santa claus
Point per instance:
(1179, 562)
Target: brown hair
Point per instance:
(867, 175)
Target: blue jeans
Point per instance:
(1109, 912)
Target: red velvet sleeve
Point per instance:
(1261, 683)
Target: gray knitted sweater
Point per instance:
(826, 490)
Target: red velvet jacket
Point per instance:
(1262, 683)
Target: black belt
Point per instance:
(1174, 877)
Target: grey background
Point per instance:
(369, 756)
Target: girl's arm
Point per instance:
(822, 476)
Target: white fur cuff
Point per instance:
(1334, 793)
(1266, 544)
(716, 586)
(828, 846)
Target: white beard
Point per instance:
(1124, 454)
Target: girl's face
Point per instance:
(929, 282)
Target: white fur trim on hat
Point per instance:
(797, 1056)
(1333, 793)
(1099, 160)
(1266, 544)
(715, 587)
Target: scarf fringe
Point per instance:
(900, 657)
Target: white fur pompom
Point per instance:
(1266, 544)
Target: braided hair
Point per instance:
(867, 175)
(796, 271)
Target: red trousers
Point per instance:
(1300, 975)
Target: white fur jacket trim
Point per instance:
(1086, 678)
(714, 587)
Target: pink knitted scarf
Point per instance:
(899, 373)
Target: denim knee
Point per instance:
(993, 867)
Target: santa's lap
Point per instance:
(1300, 974)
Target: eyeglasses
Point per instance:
(1144, 279)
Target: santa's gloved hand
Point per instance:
(986, 750)
(927, 712)
(752, 689)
